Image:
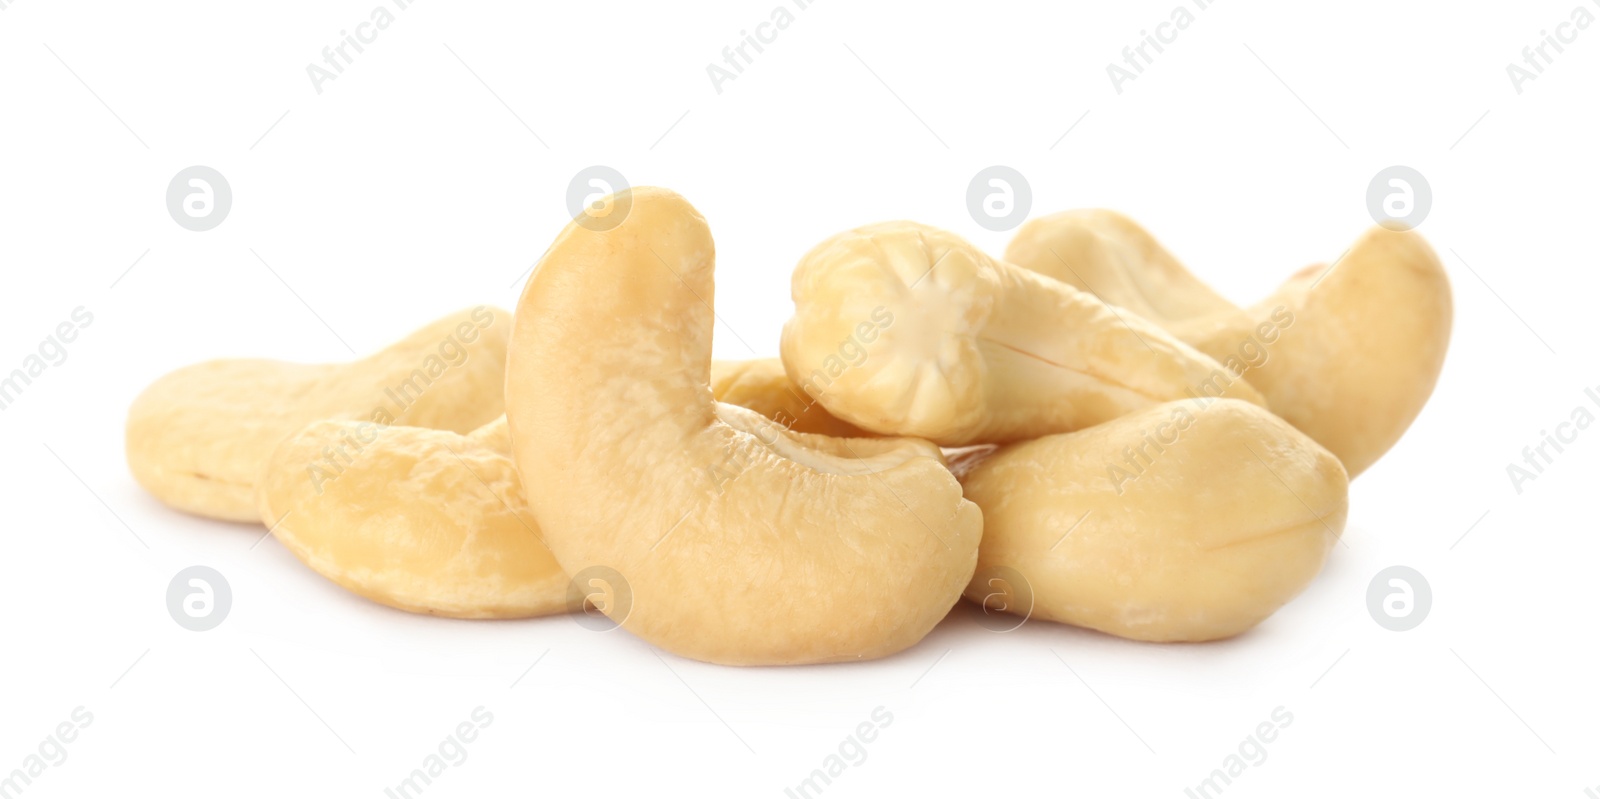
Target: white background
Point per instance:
(407, 189)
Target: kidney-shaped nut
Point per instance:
(1112, 257)
(422, 520)
(435, 522)
(1349, 355)
(1176, 523)
(1368, 338)
(762, 386)
(908, 330)
(741, 542)
(197, 438)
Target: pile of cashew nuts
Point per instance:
(1082, 432)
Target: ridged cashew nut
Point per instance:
(905, 329)
(427, 521)
(741, 542)
(435, 522)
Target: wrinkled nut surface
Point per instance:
(197, 438)
(762, 386)
(435, 522)
(742, 542)
(1348, 355)
(1175, 523)
(427, 521)
(905, 329)
(1111, 256)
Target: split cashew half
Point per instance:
(422, 520)
(1175, 523)
(741, 542)
(909, 330)
(1347, 354)
(197, 438)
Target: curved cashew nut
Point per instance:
(1347, 354)
(1359, 345)
(434, 522)
(1175, 523)
(1109, 255)
(909, 330)
(422, 520)
(718, 519)
(197, 438)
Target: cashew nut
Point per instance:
(762, 386)
(1362, 349)
(423, 520)
(197, 438)
(435, 522)
(1174, 523)
(909, 330)
(1368, 336)
(742, 542)
(1111, 256)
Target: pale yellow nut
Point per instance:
(740, 542)
(1349, 355)
(762, 386)
(909, 330)
(1114, 258)
(197, 438)
(435, 522)
(1175, 523)
(422, 520)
